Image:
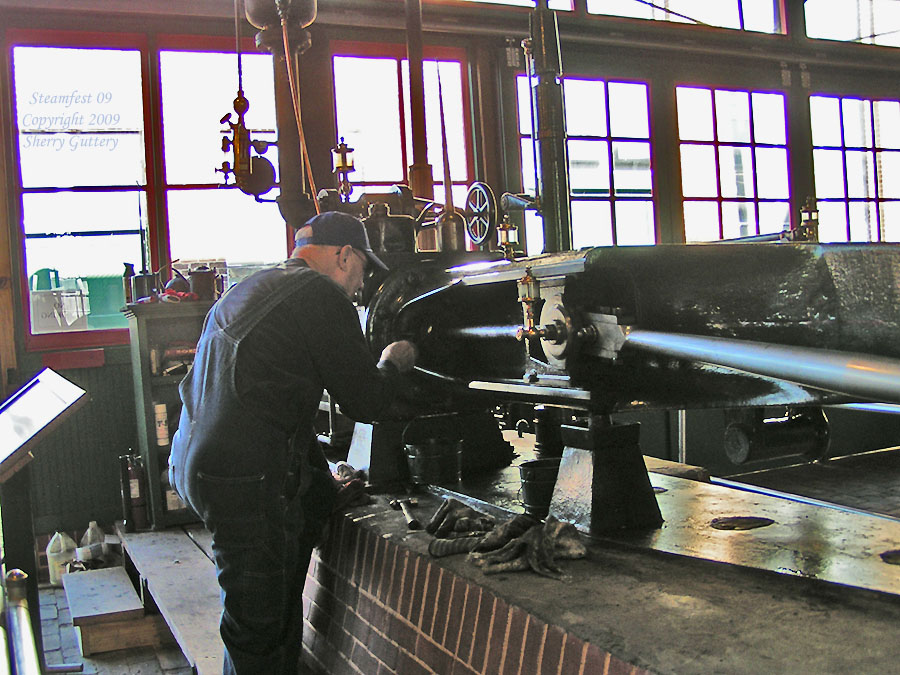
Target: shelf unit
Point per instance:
(163, 339)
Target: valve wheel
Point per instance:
(481, 212)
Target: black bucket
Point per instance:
(538, 481)
(434, 461)
(433, 449)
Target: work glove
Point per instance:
(537, 549)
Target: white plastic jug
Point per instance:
(60, 551)
(91, 543)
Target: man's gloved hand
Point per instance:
(402, 354)
(537, 549)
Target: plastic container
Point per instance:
(92, 543)
(60, 552)
(538, 480)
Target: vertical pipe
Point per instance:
(550, 131)
(421, 180)
(25, 655)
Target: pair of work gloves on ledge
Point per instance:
(521, 543)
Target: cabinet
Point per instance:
(163, 342)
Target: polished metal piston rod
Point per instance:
(858, 375)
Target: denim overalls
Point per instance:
(264, 494)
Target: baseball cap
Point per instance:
(334, 228)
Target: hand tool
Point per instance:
(406, 505)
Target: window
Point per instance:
(734, 163)
(610, 163)
(754, 15)
(379, 129)
(559, 5)
(79, 115)
(874, 22)
(856, 157)
(89, 198)
(206, 221)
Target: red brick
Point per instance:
(362, 659)
(515, 641)
(463, 648)
(348, 548)
(383, 648)
(496, 643)
(455, 611)
(386, 573)
(482, 630)
(553, 646)
(438, 627)
(460, 668)
(426, 583)
(402, 633)
(413, 605)
(357, 626)
(573, 653)
(597, 660)
(408, 665)
(618, 667)
(395, 592)
(531, 650)
(363, 551)
(429, 653)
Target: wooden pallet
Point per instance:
(108, 613)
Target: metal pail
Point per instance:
(538, 480)
(434, 461)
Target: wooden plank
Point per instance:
(182, 581)
(147, 631)
(101, 596)
(202, 537)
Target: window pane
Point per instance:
(534, 233)
(760, 15)
(832, 222)
(634, 223)
(629, 8)
(769, 119)
(733, 116)
(369, 124)
(738, 219)
(860, 174)
(75, 247)
(863, 221)
(451, 91)
(774, 217)
(890, 221)
(867, 21)
(192, 105)
(701, 221)
(723, 13)
(628, 110)
(585, 108)
(631, 169)
(233, 227)
(772, 173)
(825, 118)
(857, 123)
(736, 171)
(887, 124)
(591, 224)
(588, 167)
(698, 171)
(523, 93)
(695, 118)
(829, 173)
(528, 177)
(889, 167)
(80, 116)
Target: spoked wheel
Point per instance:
(481, 212)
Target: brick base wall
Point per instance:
(372, 606)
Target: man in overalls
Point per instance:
(245, 456)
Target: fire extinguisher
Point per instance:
(138, 491)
